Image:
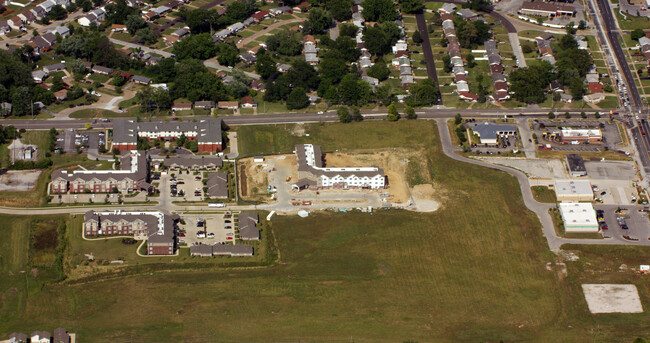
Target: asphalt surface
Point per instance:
(426, 50)
(642, 142)
(287, 118)
(611, 30)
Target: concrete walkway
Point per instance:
(554, 242)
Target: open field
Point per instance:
(472, 271)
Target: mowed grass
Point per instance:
(474, 270)
(544, 194)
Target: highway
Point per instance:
(612, 33)
(288, 118)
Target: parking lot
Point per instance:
(636, 221)
(207, 228)
(611, 135)
(187, 185)
(89, 141)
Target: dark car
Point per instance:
(603, 226)
(227, 221)
(624, 227)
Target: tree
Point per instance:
(471, 33)
(446, 63)
(347, 48)
(551, 115)
(577, 89)
(393, 115)
(354, 91)
(333, 69)
(411, 6)
(35, 33)
(423, 93)
(134, 23)
(75, 93)
(570, 28)
(379, 70)
(297, 99)
(57, 12)
(637, 34)
(356, 114)
(470, 61)
(582, 25)
(375, 40)
(76, 66)
(73, 46)
(530, 83)
(583, 115)
(145, 36)
(527, 47)
(348, 30)
(383, 95)
(265, 65)
(285, 42)
(410, 113)
(417, 39)
(57, 83)
(86, 6)
(379, 10)
(318, 21)
(340, 9)
(344, 114)
(227, 54)
(198, 46)
(480, 5)
(118, 80)
(21, 101)
(458, 119)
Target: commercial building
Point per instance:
(581, 135)
(578, 217)
(157, 228)
(547, 9)
(576, 165)
(573, 190)
(489, 132)
(133, 176)
(207, 132)
(312, 167)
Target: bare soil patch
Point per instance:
(254, 180)
(612, 298)
(19, 180)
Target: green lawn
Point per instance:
(544, 194)
(632, 22)
(472, 271)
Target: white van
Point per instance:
(216, 204)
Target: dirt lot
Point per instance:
(612, 298)
(254, 181)
(19, 180)
(394, 163)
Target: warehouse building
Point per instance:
(578, 217)
(489, 133)
(576, 165)
(573, 190)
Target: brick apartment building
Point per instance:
(133, 176)
(156, 228)
(207, 132)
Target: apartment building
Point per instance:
(156, 228)
(311, 167)
(133, 176)
(207, 132)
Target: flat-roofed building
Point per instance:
(581, 135)
(578, 217)
(573, 190)
(576, 165)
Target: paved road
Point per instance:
(513, 37)
(610, 27)
(554, 242)
(426, 49)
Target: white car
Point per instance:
(321, 112)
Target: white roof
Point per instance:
(581, 133)
(573, 187)
(580, 215)
(644, 41)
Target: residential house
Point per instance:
(447, 8)
(283, 68)
(142, 79)
(302, 7)
(182, 106)
(249, 21)
(118, 28)
(38, 12)
(467, 14)
(18, 337)
(556, 87)
(258, 85)
(54, 67)
(248, 102)
(16, 23)
(61, 335)
(280, 10)
(27, 17)
(217, 185)
(102, 70)
(205, 105)
(260, 15)
(229, 105)
(221, 35)
(40, 337)
(235, 27)
(400, 46)
(61, 95)
(39, 76)
(95, 16)
(248, 58)
(4, 27)
(63, 31)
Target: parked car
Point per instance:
(227, 227)
(181, 235)
(603, 226)
(229, 234)
(227, 221)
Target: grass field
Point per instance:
(544, 194)
(472, 271)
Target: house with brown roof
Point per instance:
(61, 95)
(302, 7)
(248, 102)
(182, 106)
(260, 15)
(118, 28)
(258, 85)
(229, 105)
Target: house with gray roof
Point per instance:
(102, 70)
(217, 185)
(39, 76)
(247, 223)
(141, 79)
(54, 67)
